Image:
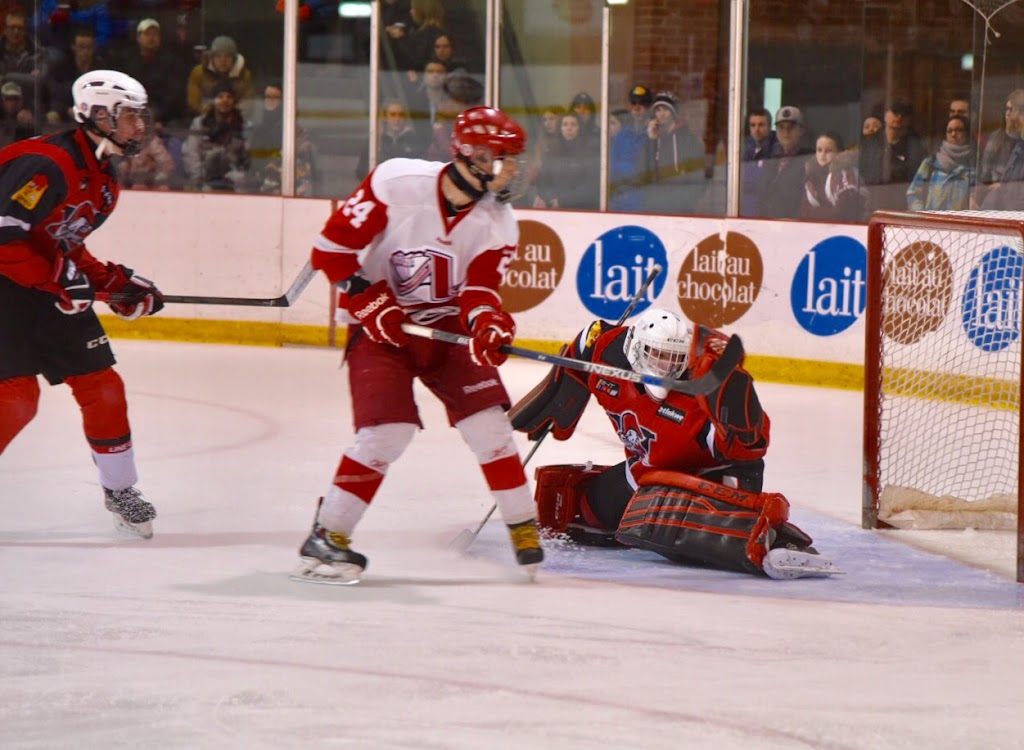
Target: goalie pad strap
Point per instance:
(693, 520)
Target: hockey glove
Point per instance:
(142, 296)
(380, 315)
(491, 330)
(76, 291)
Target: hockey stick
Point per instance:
(702, 386)
(285, 300)
(466, 537)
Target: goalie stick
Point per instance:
(702, 386)
(466, 537)
(285, 300)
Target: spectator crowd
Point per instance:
(215, 128)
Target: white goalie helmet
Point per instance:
(658, 343)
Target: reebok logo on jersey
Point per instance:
(32, 191)
(671, 414)
(482, 385)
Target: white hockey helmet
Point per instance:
(658, 343)
(110, 91)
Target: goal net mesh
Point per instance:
(947, 406)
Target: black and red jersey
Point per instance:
(677, 433)
(53, 194)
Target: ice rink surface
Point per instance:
(198, 639)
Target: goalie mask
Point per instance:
(658, 344)
(486, 141)
(113, 106)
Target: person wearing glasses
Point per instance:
(944, 180)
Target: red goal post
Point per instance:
(942, 372)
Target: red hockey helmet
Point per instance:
(489, 127)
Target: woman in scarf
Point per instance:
(943, 181)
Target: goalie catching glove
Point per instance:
(139, 296)
(379, 314)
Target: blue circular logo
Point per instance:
(828, 292)
(615, 266)
(990, 308)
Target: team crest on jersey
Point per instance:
(607, 386)
(73, 227)
(635, 437)
(424, 275)
(32, 191)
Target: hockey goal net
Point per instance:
(942, 395)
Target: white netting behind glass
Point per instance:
(950, 349)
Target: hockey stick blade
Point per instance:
(702, 386)
(285, 300)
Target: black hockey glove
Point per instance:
(76, 291)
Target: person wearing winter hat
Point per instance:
(585, 107)
(675, 160)
(223, 63)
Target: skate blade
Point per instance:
(128, 530)
(531, 571)
(786, 565)
(337, 574)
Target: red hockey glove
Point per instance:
(491, 329)
(76, 291)
(380, 315)
(141, 295)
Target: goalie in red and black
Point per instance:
(690, 486)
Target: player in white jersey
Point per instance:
(426, 242)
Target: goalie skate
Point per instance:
(783, 563)
(133, 515)
(326, 558)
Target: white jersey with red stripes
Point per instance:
(396, 227)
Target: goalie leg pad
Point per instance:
(696, 521)
(558, 493)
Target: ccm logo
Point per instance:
(97, 342)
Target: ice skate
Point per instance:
(526, 541)
(784, 563)
(327, 558)
(133, 516)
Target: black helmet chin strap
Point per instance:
(463, 184)
(128, 148)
